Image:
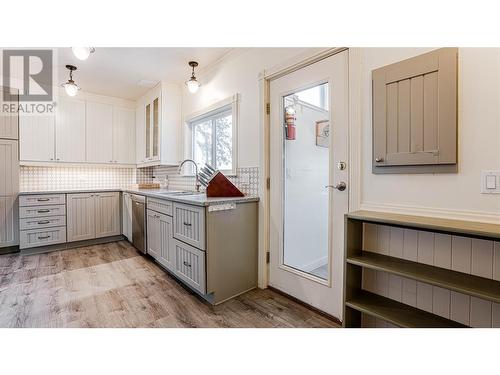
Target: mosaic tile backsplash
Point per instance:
(88, 177)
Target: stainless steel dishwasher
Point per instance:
(139, 222)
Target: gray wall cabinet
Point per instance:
(415, 114)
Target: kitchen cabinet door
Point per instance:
(123, 135)
(127, 216)
(99, 132)
(9, 123)
(37, 138)
(140, 135)
(9, 167)
(70, 130)
(9, 232)
(80, 217)
(165, 236)
(153, 234)
(107, 214)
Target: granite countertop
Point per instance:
(194, 199)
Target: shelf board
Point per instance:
(457, 281)
(460, 227)
(398, 313)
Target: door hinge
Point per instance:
(268, 183)
(268, 108)
(268, 257)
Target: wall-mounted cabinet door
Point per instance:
(70, 130)
(107, 214)
(80, 217)
(99, 133)
(140, 135)
(415, 112)
(152, 120)
(9, 122)
(37, 138)
(123, 135)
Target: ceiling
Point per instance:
(117, 71)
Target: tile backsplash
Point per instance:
(33, 178)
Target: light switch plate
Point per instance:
(490, 182)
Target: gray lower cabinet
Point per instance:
(159, 232)
(190, 265)
(93, 215)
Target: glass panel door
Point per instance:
(306, 150)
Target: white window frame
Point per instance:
(228, 104)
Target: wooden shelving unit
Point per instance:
(358, 301)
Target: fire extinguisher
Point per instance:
(290, 123)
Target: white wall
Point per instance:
(478, 143)
(238, 73)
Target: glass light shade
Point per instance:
(193, 85)
(82, 53)
(71, 88)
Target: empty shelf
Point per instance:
(460, 227)
(398, 313)
(460, 282)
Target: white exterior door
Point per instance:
(308, 169)
(70, 130)
(99, 132)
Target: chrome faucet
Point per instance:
(197, 183)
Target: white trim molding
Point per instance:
(479, 216)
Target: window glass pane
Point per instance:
(148, 120)
(317, 96)
(224, 142)
(202, 142)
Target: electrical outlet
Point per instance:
(490, 182)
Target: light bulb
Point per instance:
(82, 53)
(71, 88)
(193, 85)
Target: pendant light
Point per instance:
(192, 84)
(82, 53)
(71, 87)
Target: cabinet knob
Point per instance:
(186, 264)
(379, 160)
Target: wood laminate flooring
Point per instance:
(112, 285)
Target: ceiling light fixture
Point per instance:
(71, 87)
(192, 84)
(82, 53)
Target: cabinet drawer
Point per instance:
(190, 265)
(160, 205)
(42, 237)
(41, 211)
(189, 224)
(42, 222)
(42, 199)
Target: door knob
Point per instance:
(341, 186)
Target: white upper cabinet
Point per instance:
(99, 133)
(158, 126)
(37, 134)
(123, 135)
(70, 130)
(9, 126)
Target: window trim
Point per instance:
(228, 104)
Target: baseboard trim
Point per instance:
(9, 250)
(478, 216)
(71, 245)
(315, 309)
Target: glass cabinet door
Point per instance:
(148, 131)
(156, 126)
